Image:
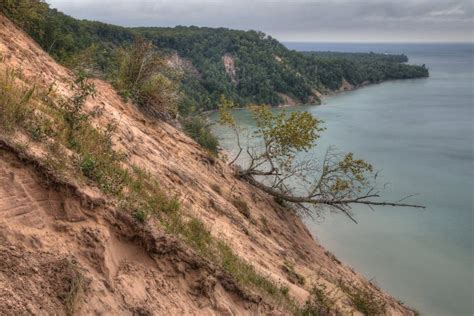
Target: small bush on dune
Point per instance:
(364, 301)
(198, 129)
(198, 234)
(144, 77)
(318, 303)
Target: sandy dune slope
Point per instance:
(64, 248)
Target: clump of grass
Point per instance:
(332, 256)
(200, 238)
(96, 159)
(143, 196)
(266, 227)
(74, 284)
(365, 301)
(14, 99)
(140, 216)
(293, 276)
(244, 273)
(318, 303)
(40, 128)
(144, 76)
(241, 206)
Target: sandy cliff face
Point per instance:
(64, 248)
(230, 69)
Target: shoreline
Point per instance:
(345, 87)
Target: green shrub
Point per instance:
(140, 216)
(88, 166)
(245, 273)
(143, 196)
(198, 235)
(39, 128)
(318, 303)
(194, 233)
(198, 129)
(143, 76)
(365, 301)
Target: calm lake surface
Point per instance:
(419, 133)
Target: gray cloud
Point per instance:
(299, 20)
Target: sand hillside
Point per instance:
(54, 232)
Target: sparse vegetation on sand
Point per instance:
(68, 134)
(364, 300)
(319, 303)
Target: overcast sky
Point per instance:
(297, 20)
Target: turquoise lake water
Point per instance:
(419, 133)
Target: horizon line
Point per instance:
(377, 42)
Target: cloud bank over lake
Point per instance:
(317, 20)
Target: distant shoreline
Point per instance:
(345, 87)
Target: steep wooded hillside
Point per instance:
(245, 66)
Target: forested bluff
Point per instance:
(244, 66)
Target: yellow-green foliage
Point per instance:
(366, 303)
(225, 114)
(246, 274)
(285, 133)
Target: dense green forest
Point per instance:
(265, 70)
